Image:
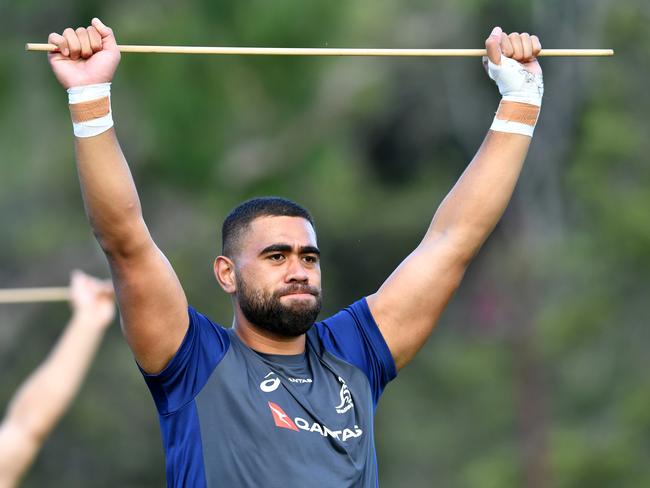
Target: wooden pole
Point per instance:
(26, 295)
(279, 51)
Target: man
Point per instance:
(45, 396)
(278, 400)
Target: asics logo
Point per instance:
(271, 383)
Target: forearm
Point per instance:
(16, 454)
(475, 204)
(410, 302)
(109, 194)
(44, 397)
(85, 63)
(69, 360)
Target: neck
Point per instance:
(266, 342)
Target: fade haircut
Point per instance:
(240, 217)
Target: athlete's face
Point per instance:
(278, 275)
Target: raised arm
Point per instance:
(408, 305)
(152, 303)
(44, 397)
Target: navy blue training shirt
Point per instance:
(233, 417)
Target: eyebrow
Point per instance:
(288, 248)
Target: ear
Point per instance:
(224, 271)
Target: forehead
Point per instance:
(265, 231)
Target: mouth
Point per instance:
(300, 292)
(299, 295)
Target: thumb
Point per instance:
(493, 46)
(104, 31)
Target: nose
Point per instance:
(296, 271)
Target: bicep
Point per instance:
(410, 302)
(153, 306)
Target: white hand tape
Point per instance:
(516, 83)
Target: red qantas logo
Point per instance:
(281, 419)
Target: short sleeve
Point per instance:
(204, 345)
(353, 336)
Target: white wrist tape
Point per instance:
(90, 108)
(522, 93)
(512, 127)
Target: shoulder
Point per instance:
(204, 346)
(350, 322)
(206, 334)
(202, 321)
(353, 336)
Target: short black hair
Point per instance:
(241, 216)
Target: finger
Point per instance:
(107, 289)
(108, 284)
(537, 45)
(518, 49)
(506, 45)
(73, 43)
(95, 39)
(84, 41)
(59, 41)
(492, 46)
(76, 282)
(527, 46)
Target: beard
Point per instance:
(267, 312)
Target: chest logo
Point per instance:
(280, 418)
(270, 383)
(346, 398)
(297, 424)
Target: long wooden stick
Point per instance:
(323, 51)
(26, 295)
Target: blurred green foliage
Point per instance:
(538, 373)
